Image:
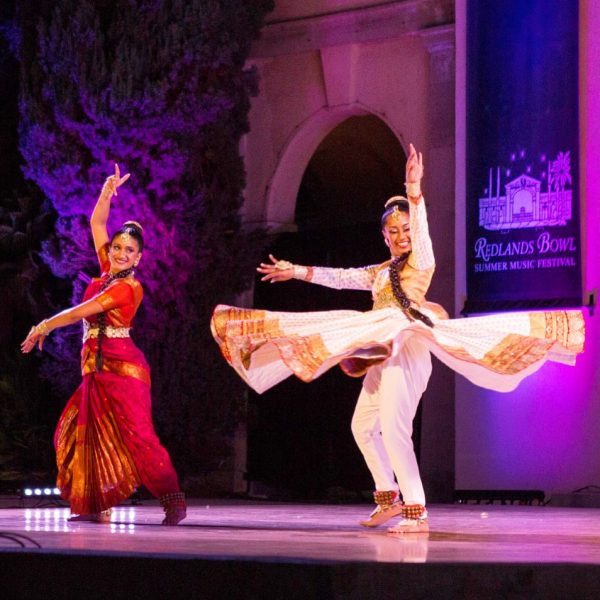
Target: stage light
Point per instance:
(38, 491)
(41, 495)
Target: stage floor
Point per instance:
(244, 530)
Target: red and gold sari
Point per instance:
(105, 440)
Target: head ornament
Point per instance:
(393, 199)
(134, 224)
(392, 207)
(130, 227)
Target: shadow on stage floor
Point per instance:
(239, 549)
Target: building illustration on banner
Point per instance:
(526, 200)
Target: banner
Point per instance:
(523, 228)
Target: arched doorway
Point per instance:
(299, 440)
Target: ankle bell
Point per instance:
(385, 498)
(413, 511)
(173, 500)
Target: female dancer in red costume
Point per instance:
(105, 441)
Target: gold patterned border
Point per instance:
(566, 327)
(512, 355)
(224, 316)
(303, 355)
(95, 469)
(119, 367)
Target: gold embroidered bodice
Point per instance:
(415, 276)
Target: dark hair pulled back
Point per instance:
(132, 228)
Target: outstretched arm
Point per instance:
(101, 211)
(350, 279)
(38, 334)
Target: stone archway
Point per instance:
(282, 189)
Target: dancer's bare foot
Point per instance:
(388, 506)
(414, 520)
(420, 525)
(101, 517)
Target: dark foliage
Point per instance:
(159, 87)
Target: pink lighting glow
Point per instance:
(546, 434)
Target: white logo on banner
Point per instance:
(524, 204)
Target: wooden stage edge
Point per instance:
(249, 549)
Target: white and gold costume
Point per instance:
(495, 351)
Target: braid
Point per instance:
(399, 294)
(102, 316)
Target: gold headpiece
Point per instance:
(395, 199)
(396, 213)
(128, 228)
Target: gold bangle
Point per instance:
(413, 189)
(108, 189)
(42, 328)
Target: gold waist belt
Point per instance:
(92, 331)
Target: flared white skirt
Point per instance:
(493, 351)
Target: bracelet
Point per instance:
(42, 328)
(108, 189)
(413, 189)
(299, 272)
(303, 273)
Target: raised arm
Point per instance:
(101, 211)
(421, 257)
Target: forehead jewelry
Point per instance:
(396, 213)
(126, 236)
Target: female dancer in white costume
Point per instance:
(392, 345)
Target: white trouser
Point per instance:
(382, 421)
